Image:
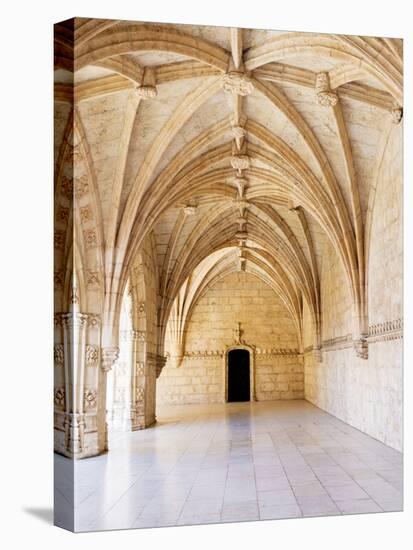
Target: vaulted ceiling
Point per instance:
(236, 149)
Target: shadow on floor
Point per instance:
(43, 514)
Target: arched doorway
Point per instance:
(239, 386)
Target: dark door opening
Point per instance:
(238, 375)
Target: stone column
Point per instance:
(74, 345)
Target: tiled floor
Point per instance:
(236, 462)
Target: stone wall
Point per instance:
(266, 325)
(366, 393)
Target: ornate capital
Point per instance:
(109, 357)
(325, 96)
(238, 83)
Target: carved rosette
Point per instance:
(238, 83)
(109, 357)
(90, 399)
(146, 91)
(240, 162)
(361, 348)
(59, 397)
(325, 96)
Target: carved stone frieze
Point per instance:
(388, 330)
(276, 352)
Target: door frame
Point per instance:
(252, 370)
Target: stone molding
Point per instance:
(339, 342)
(383, 332)
(92, 319)
(380, 332)
(262, 353)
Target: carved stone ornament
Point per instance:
(81, 186)
(58, 279)
(325, 96)
(59, 397)
(190, 210)
(59, 239)
(397, 114)
(91, 239)
(238, 83)
(90, 399)
(67, 187)
(109, 357)
(361, 348)
(146, 91)
(140, 394)
(85, 214)
(92, 355)
(238, 132)
(63, 214)
(92, 278)
(58, 353)
(240, 162)
(241, 183)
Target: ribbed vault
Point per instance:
(230, 149)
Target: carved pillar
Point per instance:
(74, 347)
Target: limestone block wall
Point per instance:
(366, 393)
(266, 325)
